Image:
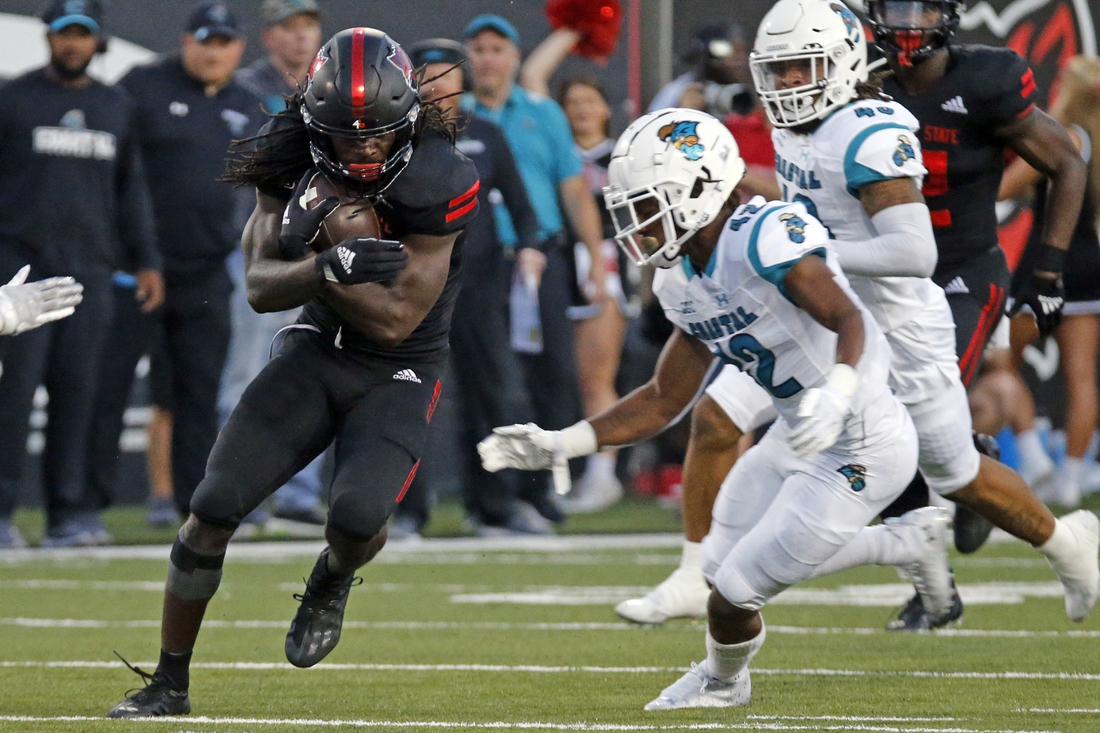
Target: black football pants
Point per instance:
(310, 394)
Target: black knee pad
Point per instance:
(358, 516)
(193, 575)
(218, 503)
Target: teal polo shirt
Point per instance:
(542, 145)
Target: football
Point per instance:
(353, 217)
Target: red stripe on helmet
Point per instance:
(358, 81)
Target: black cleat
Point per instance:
(160, 696)
(315, 630)
(972, 529)
(914, 618)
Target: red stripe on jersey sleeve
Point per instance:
(457, 200)
(1026, 112)
(1027, 81)
(459, 213)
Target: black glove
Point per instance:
(301, 225)
(1045, 296)
(359, 260)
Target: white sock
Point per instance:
(726, 661)
(879, 545)
(1072, 470)
(692, 555)
(600, 466)
(1061, 544)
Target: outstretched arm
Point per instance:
(643, 413)
(541, 63)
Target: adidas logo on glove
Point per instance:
(346, 256)
(407, 375)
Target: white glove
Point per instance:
(822, 412)
(24, 306)
(530, 448)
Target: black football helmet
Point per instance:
(912, 30)
(361, 85)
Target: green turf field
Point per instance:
(469, 637)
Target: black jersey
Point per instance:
(435, 194)
(982, 90)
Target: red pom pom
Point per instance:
(598, 22)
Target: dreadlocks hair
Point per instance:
(279, 156)
(872, 88)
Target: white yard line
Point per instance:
(76, 623)
(552, 669)
(775, 724)
(1086, 711)
(281, 550)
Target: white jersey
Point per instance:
(738, 306)
(863, 142)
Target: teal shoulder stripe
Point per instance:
(857, 175)
(689, 269)
(775, 274)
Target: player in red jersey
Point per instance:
(973, 102)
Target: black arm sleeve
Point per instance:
(136, 228)
(510, 184)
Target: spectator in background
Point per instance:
(487, 372)
(292, 35)
(1077, 106)
(600, 327)
(189, 110)
(73, 201)
(717, 80)
(542, 145)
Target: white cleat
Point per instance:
(697, 689)
(684, 594)
(1079, 571)
(930, 573)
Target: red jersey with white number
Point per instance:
(983, 90)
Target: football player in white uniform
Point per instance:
(759, 287)
(853, 159)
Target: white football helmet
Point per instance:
(677, 166)
(823, 36)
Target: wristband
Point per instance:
(1051, 259)
(579, 440)
(843, 379)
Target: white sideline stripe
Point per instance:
(776, 725)
(279, 550)
(1088, 711)
(77, 623)
(886, 595)
(547, 669)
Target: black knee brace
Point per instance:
(192, 574)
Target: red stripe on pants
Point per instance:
(408, 482)
(990, 314)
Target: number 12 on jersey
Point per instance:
(742, 350)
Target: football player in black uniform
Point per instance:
(973, 102)
(361, 367)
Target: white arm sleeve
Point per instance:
(904, 247)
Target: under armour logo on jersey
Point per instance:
(856, 475)
(955, 104)
(346, 256)
(956, 287)
(407, 375)
(722, 300)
